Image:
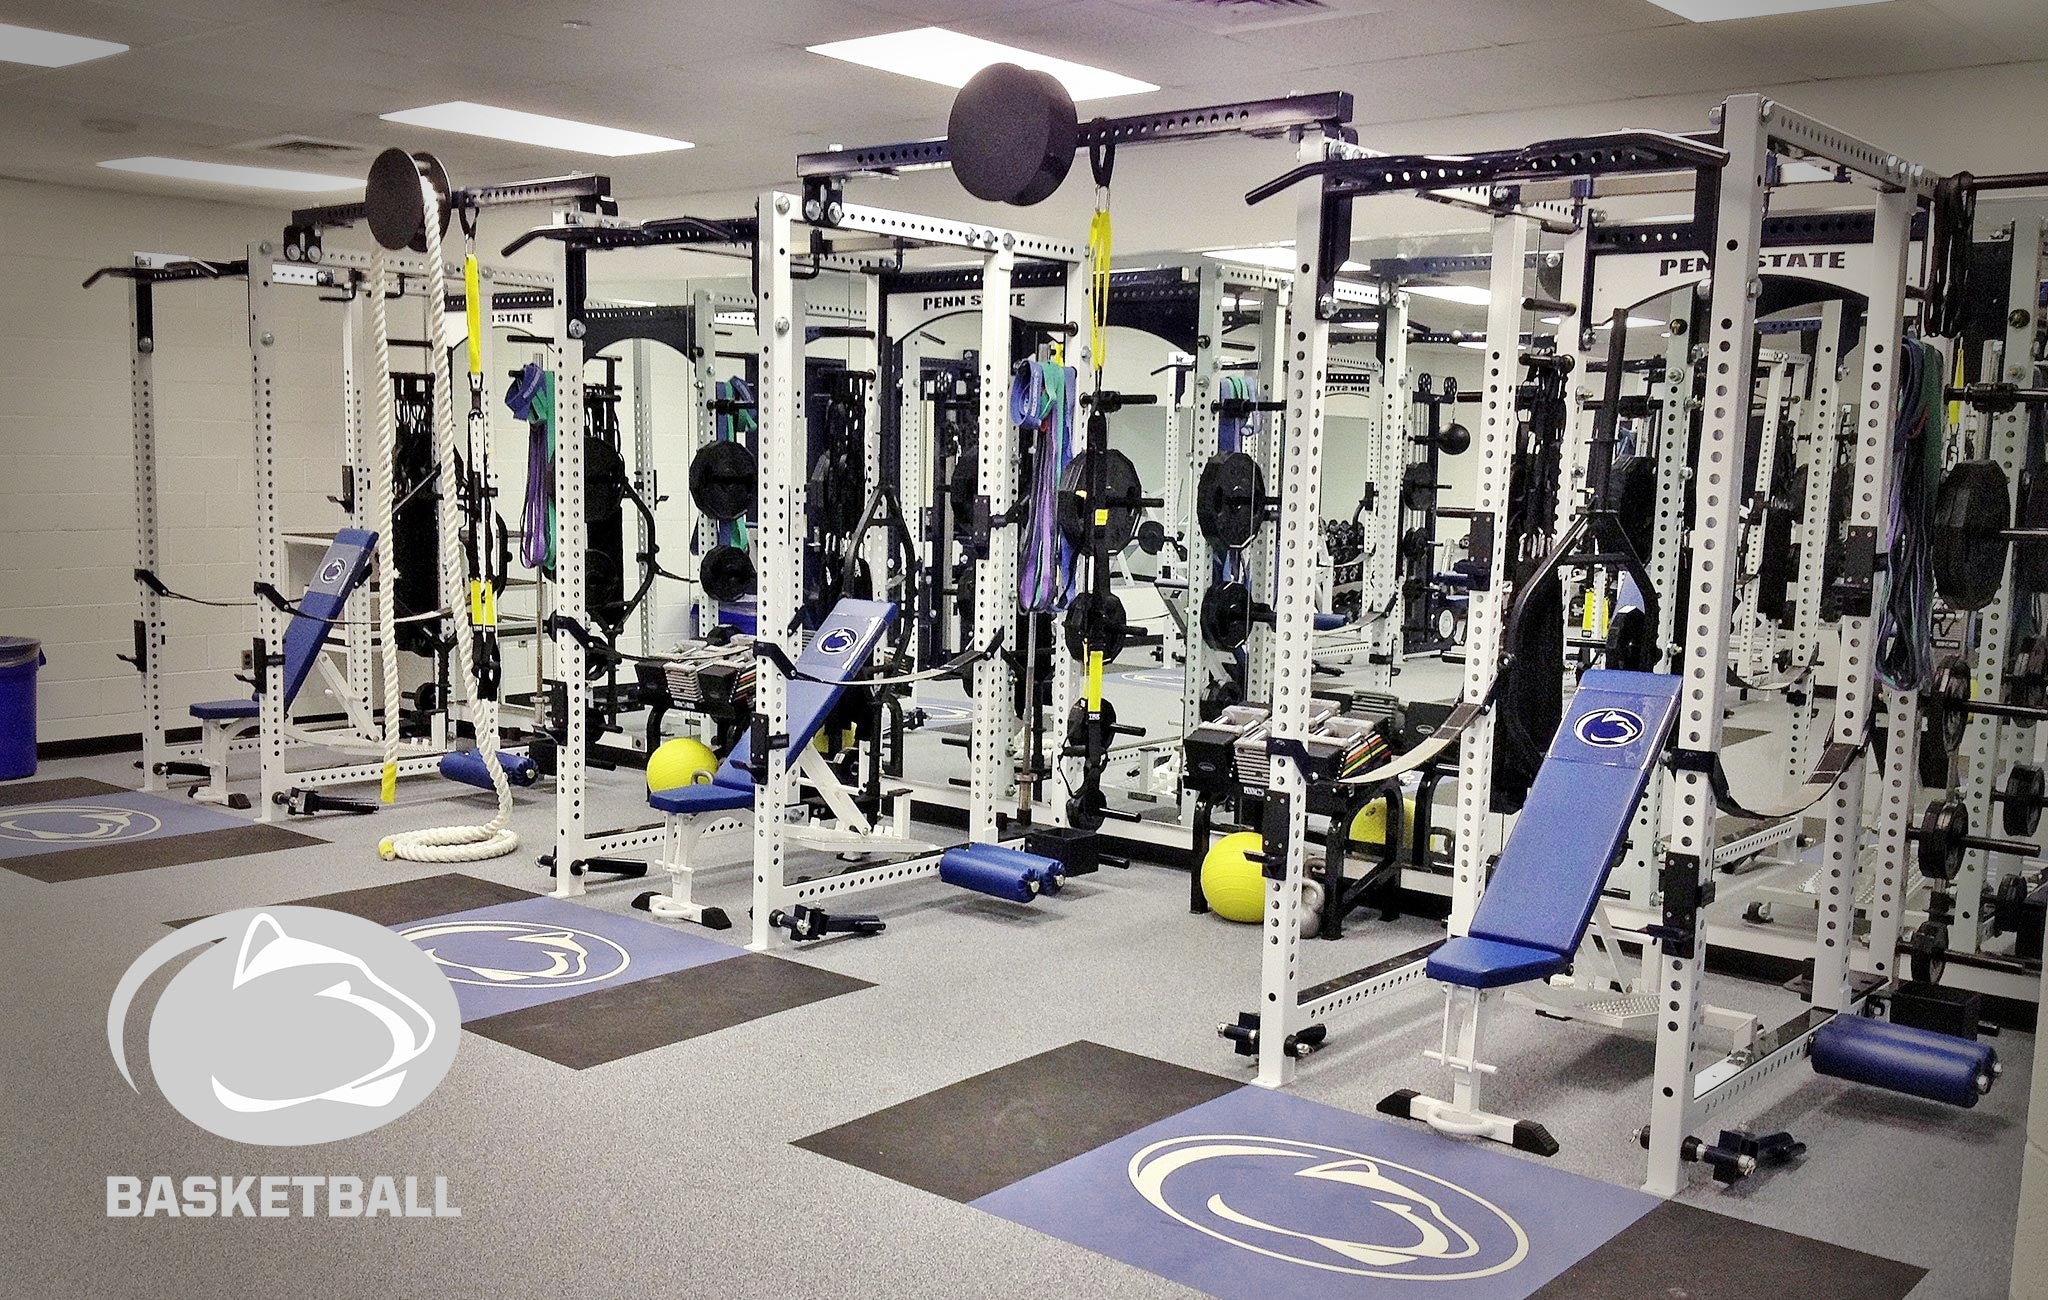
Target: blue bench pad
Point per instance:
(224, 709)
(838, 650)
(1490, 964)
(1571, 828)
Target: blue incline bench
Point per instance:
(342, 569)
(1541, 896)
(839, 650)
(1540, 899)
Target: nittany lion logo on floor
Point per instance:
(514, 954)
(1609, 728)
(1327, 1208)
(292, 1025)
(77, 823)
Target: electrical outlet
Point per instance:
(249, 661)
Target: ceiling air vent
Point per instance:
(303, 147)
(1227, 16)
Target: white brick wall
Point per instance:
(66, 486)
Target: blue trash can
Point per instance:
(20, 656)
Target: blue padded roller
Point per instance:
(1049, 873)
(839, 649)
(1900, 1058)
(1535, 909)
(991, 869)
(467, 766)
(342, 568)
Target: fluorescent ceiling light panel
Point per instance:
(466, 118)
(1469, 294)
(1635, 322)
(1274, 257)
(249, 178)
(1714, 11)
(951, 59)
(42, 49)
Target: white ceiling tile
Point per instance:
(2019, 26)
(1362, 38)
(951, 12)
(1240, 17)
(1510, 22)
(1670, 60)
(1869, 40)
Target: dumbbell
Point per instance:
(1943, 836)
(1948, 707)
(2021, 795)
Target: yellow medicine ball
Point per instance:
(680, 762)
(1370, 825)
(1231, 881)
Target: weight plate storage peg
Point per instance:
(1229, 498)
(1226, 616)
(1122, 496)
(727, 573)
(723, 480)
(1972, 511)
(1097, 622)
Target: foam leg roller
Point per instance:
(983, 875)
(1897, 1058)
(1048, 871)
(467, 766)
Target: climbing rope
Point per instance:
(492, 839)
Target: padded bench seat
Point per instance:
(223, 710)
(839, 650)
(1534, 913)
(1490, 964)
(712, 796)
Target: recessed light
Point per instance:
(1714, 11)
(951, 59)
(41, 49)
(253, 178)
(1469, 294)
(466, 118)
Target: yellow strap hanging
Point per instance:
(473, 300)
(1098, 283)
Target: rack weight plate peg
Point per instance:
(1097, 622)
(724, 480)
